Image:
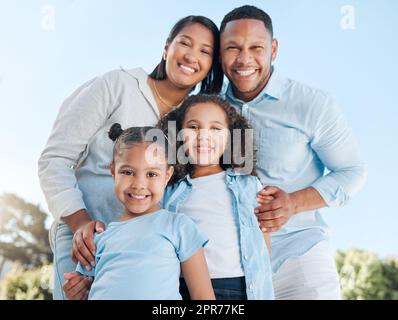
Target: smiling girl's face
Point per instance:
(140, 178)
(206, 133)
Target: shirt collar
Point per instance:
(272, 89)
(230, 173)
(142, 77)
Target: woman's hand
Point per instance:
(77, 286)
(83, 247)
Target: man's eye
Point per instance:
(232, 48)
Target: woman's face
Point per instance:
(189, 56)
(205, 133)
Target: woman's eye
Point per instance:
(184, 43)
(206, 52)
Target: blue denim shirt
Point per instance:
(299, 132)
(255, 259)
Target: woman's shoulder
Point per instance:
(122, 75)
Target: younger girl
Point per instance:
(220, 195)
(139, 256)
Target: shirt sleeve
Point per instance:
(335, 145)
(82, 270)
(259, 186)
(80, 117)
(190, 239)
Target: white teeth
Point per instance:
(135, 196)
(191, 70)
(246, 72)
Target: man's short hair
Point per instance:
(248, 12)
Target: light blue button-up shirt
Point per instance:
(299, 132)
(255, 260)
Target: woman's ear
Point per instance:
(165, 50)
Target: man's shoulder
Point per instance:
(298, 89)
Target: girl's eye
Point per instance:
(127, 172)
(152, 174)
(216, 129)
(193, 127)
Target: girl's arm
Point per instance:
(197, 278)
(267, 241)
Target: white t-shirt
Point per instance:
(209, 205)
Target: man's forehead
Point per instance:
(245, 28)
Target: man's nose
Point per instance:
(244, 57)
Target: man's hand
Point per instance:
(275, 208)
(76, 286)
(83, 247)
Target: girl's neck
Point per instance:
(167, 95)
(128, 215)
(202, 171)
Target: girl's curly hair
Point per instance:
(235, 121)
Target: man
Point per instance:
(299, 132)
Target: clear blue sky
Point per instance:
(40, 67)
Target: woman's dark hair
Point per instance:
(134, 135)
(235, 121)
(248, 12)
(214, 79)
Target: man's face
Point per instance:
(247, 51)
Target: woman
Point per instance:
(74, 166)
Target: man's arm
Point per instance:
(337, 149)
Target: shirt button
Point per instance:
(245, 257)
(251, 287)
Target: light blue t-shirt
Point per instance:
(140, 258)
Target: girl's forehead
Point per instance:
(206, 111)
(143, 151)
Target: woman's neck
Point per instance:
(167, 95)
(202, 171)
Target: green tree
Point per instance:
(363, 276)
(21, 284)
(23, 236)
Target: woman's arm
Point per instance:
(197, 278)
(79, 118)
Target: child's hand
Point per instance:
(83, 247)
(77, 286)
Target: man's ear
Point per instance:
(169, 174)
(274, 49)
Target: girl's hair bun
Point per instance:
(115, 131)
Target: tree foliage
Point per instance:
(363, 276)
(23, 236)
